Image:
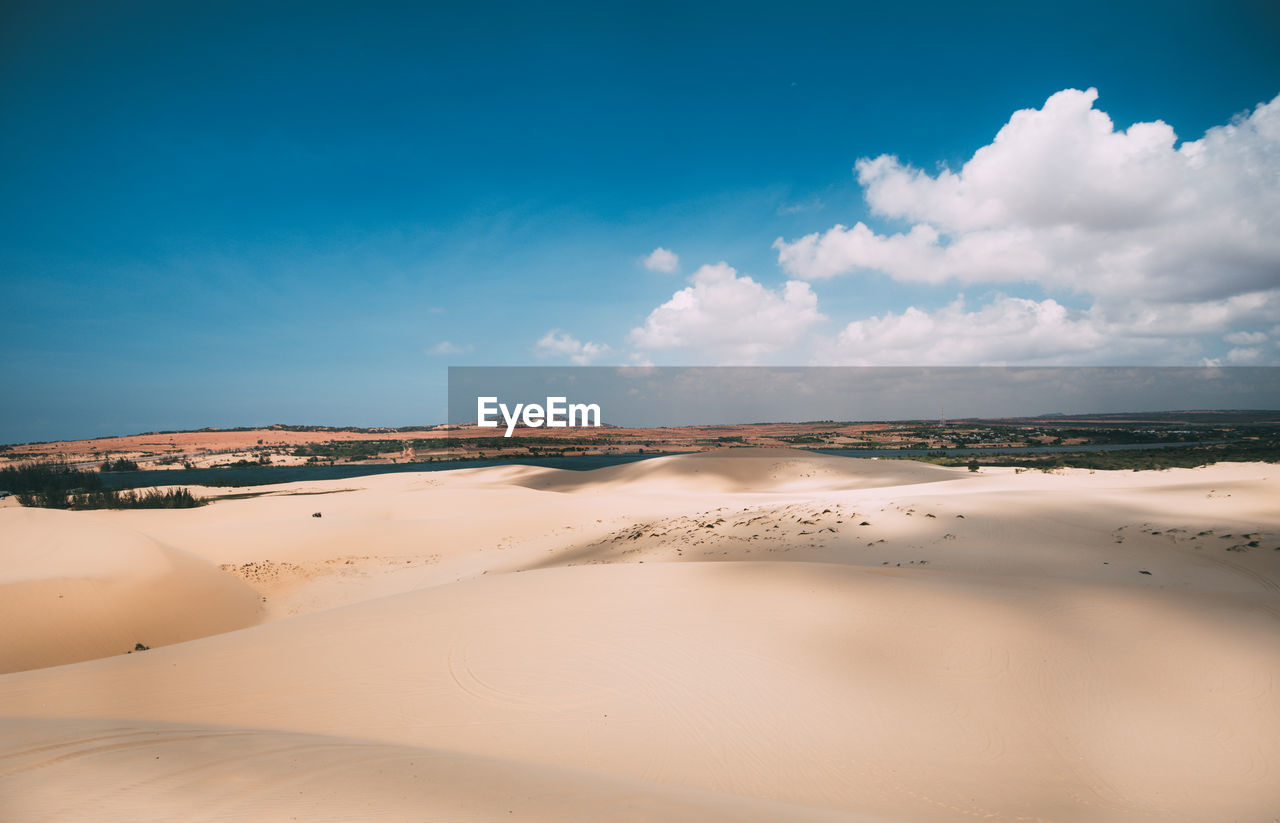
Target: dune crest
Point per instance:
(743, 470)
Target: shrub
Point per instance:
(59, 486)
(150, 499)
(46, 484)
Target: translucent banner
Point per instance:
(503, 399)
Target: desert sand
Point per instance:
(735, 635)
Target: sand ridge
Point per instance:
(742, 470)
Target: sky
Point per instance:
(232, 214)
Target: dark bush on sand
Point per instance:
(60, 486)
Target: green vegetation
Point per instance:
(59, 486)
(527, 440)
(353, 450)
(120, 465)
(46, 484)
(348, 449)
(419, 444)
(264, 459)
(1172, 457)
(156, 499)
(130, 499)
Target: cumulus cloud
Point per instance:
(730, 317)
(1018, 331)
(1032, 332)
(558, 344)
(663, 260)
(1245, 338)
(1173, 247)
(1064, 199)
(1244, 356)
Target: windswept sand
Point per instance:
(740, 635)
(77, 587)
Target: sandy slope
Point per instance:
(131, 772)
(75, 587)
(747, 635)
(741, 470)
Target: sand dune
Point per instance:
(130, 772)
(795, 683)
(734, 636)
(743, 470)
(74, 587)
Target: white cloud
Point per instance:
(1173, 247)
(559, 344)
(730, 317)
(1198, 319)
(1007, 329)
(1245, 338)
(1017, 331)
(445, 347)
(663, 260)
(1063, 199)
(1244, 356)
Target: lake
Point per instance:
(264, 475)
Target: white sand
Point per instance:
(702, 637)
(78, 587)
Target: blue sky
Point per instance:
(232, 214)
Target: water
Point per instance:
(264, 475)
